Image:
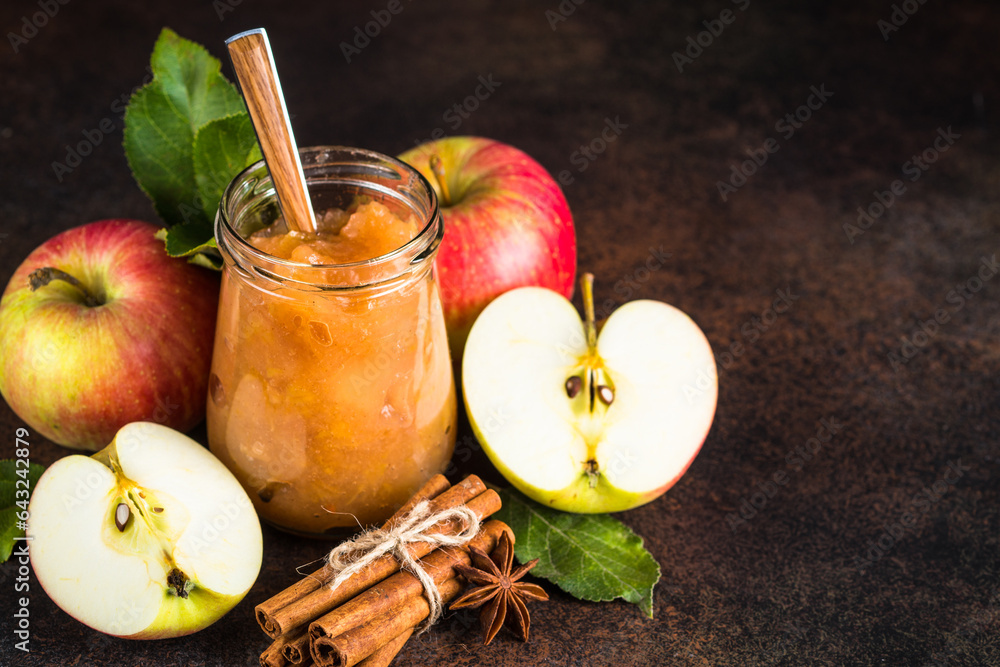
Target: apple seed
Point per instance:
(606, 394)
(573, 386)
(122, 516)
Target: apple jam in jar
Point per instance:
(332, 397)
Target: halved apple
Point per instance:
(581, 422)
(151, 537)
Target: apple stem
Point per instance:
(42, 277)
(437, 168)
(587, 285)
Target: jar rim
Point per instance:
(255, 180)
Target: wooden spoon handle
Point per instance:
(251, 55)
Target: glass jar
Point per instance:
(332, 397)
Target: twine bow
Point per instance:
(352, 556)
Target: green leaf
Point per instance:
(158, 146)
(207, 260)
(192, 80)
(222, 148)
(188, 240)
(590, 556)
(187, 134)
(11, 514)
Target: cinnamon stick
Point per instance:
(433, 488)
(471, 491)
(395, 592)
(265, 611)
(355, 645)
(382, 624)
(383, 656)
(295, 645)
(280, 646)
(273, 657)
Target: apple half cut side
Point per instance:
(581, 422)
(152, 537)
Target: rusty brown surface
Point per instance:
(793, 584)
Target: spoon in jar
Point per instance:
(250, 53)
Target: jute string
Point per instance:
(355, 555)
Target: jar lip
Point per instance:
(422, 242)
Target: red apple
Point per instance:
(131, 340)
(507, 225)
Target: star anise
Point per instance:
(500, 588)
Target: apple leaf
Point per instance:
(188, 240)
(222, 148)
(12, 514)
(187, 134)
(590, 556)
(193, 80)
(158, 148)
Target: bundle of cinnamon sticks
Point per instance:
(368, 618)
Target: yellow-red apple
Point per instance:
(99, 327)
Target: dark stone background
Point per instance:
(787, 586)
